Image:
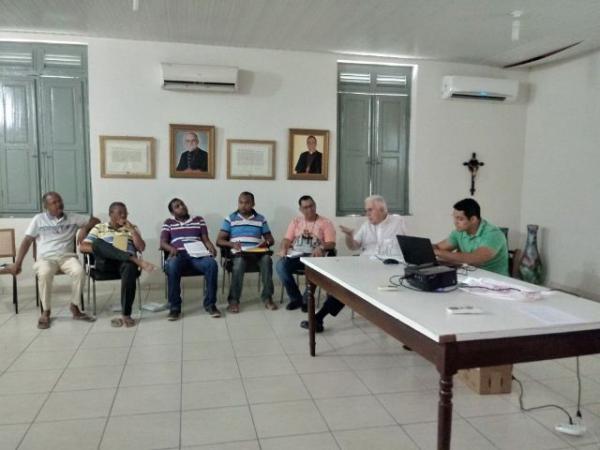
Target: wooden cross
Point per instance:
(473, 165)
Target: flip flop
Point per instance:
(129, 322)
(117, 322)
(84, 317)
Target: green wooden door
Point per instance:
(62, 148)
(19, 170)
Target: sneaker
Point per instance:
(213, 311)
(320, 328)
(295, 304)
(270, 305)
(173, 316)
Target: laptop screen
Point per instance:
(416, 250)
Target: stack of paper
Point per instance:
(196, 249)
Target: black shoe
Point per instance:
(304, 307)
(295, 304)
(304, 324)
(173, 316)
(213, 311)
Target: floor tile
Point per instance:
(287, 418)
(64, 435)
(275, 389)
(411, 407)
(318, 441)
(213, 394)
(463, 436)
(334, 384)
(42, 360)
(147, 399)
(70, 405)
(210, 369)
(212, 426)
(143, 431)
(89, 378)
(263, 366)
(20, 408)
(348, 413)
(386, 438)
(207, 350)
(10, 435)
(154, 354)
(512, 431)
(151, 373)
(94, 357)
(28, 382)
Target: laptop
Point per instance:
(417, 251)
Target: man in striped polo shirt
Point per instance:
(247, 233)
(179, 234)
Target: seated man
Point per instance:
(378, 231)
(114, 245)
(244, 229)
(55, 232)
(183, 229)
(475, 241)
(308, 234)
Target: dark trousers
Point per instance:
(238, 269)
(111, 260)
(331, 306)
(177, 265)
(286, 267)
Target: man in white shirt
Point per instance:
(376, 236)
(54, 232)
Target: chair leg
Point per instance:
(15, 295)
(139, 289)
(94, 298)
(81, 302)
(89, 285)
(37, 291)
(166, 288)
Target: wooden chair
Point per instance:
(8, 249)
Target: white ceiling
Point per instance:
(475, 31)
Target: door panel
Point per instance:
(19, 183)
(63, 146)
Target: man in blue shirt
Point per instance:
(246, 233)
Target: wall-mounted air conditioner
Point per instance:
(192, 77)
(480, 88)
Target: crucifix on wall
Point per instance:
(473, 165)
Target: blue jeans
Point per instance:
(285, 269)
(176, 266)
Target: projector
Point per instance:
(430, 278)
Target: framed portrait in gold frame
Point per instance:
(192, 151)
(308, 157)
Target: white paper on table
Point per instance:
(549, 315)
(196, 249)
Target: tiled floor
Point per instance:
(246, 382)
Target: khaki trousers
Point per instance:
(47, 268)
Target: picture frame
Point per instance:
(192, 151)
(302, 165)
(250, 159)
(127, 157)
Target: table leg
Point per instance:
(445, 412)
(312, 321)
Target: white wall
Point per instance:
(282, 90)
(561, 186)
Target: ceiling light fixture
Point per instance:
(516, 25)
(136, 5)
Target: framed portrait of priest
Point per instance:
(308, 154)
(192, 151)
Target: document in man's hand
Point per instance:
(196, 249)
(294, 253)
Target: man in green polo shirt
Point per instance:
(475, 241)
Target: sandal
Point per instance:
(117, 322)
(129, 322)
(233, 308)
(78, 315)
